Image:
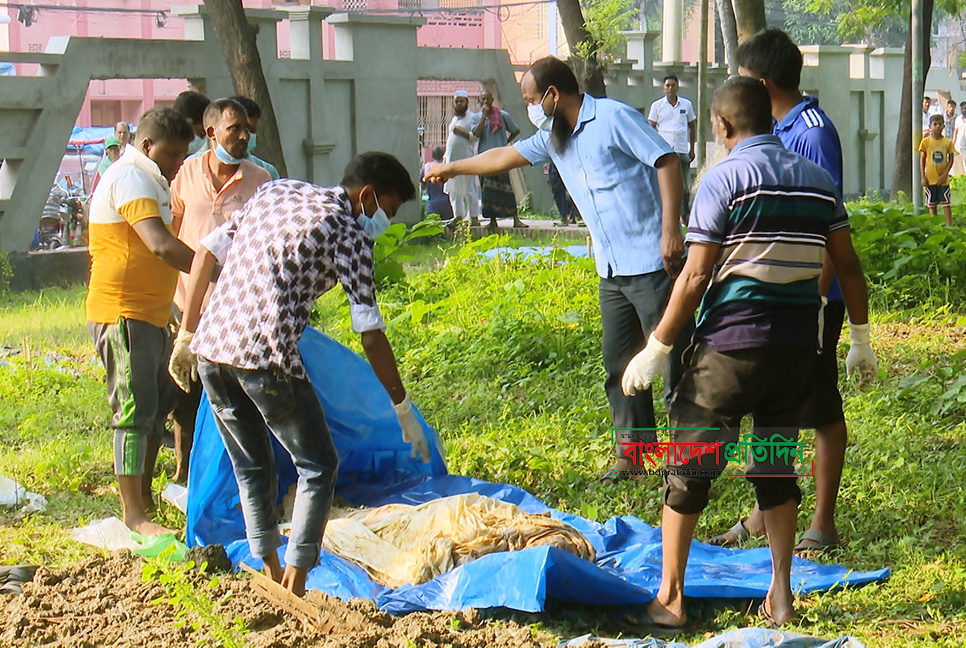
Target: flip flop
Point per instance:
(738, 531)
(823, 542)
(765, 615)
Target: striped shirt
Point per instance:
(770, 210)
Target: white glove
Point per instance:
(183, 365)
(644, 366)
(412, 430)
(861, 358)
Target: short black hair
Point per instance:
(252, 108)
(962, 104)
(381, 170)
(951, 103)
(937, 118)
(672, 76)
(745, 103)
(191, 105)
(438, 152)
(551, 71)
(161, 124)
(217, 108)
(771, 54)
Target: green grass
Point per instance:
(503, 358)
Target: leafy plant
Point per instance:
(605, 20)
(394, 248)
(194, 606)
(912, 260)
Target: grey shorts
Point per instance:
(716, 391)
(140, 391)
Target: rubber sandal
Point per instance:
(765, 615)
(738, 531)
(823, 542)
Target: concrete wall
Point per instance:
(858, 87)
(328, 110)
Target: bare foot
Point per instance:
(148, 528)
(148, 499)
(294, 580)
(519, 223)
(660, 615)
(273, 568)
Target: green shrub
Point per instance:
(912, 260)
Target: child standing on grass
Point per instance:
(936, 159)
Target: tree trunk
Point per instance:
(729, 32)
(588, 70)
(902, 170)
(749, 18)
(236, 40)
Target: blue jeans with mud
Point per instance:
(249, 405)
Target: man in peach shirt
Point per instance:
(206, 191)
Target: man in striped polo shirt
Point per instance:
(761, 222)
(803, 127)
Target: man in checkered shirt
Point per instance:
(292, 242)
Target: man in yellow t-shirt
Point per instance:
(935, 160)
(135, 259)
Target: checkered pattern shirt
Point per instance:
(289, 244)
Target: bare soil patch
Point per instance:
(104, 602)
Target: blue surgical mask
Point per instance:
(375, 225)
(225, 157)
(538, 117)
(251, 142)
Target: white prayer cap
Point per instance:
(461, 93)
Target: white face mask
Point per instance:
(538, 117)
(375, 225)
(251, 142)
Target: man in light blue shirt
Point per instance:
(626, 182)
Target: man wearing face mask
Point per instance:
(626, 182)
(254, 115)
(206, 190)
(289, 245)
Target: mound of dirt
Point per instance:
(105, 602)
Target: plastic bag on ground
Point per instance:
(13, 494)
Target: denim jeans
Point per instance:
(247, 405)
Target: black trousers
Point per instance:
(630, 309)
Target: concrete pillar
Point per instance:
(673, 31)
(305, 31)
(384, 89)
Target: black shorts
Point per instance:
(823, 405)
(937, 195)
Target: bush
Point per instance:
(912, 260)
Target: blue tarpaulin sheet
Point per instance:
(528, 252)
(376, 468)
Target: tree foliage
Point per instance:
(605, 20)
